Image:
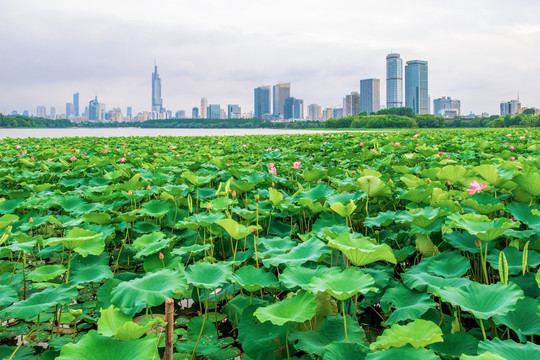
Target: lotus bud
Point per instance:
(148, 187)
(30, 220)
(130, 192)
(254, 231)
(478, 243)
(75, 313)
(234, 193)
(209, 207)
(161, 257)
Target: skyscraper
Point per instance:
(233, 111)
(204, 108)
(281, 91)
(293, 108)
(214, 111)
(351, 104)
(76, 103)
(416, 86)
(262, 101)
(446, 103)
(511, 107)
(41, 111)
(70, 110)
(52, 115)
(157, 102)
(195, 113)
(314, 112)
(370, 95)
(129, 112)
(94, 110)
(394, 81)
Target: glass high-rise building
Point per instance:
(233, 111)
(282, 91)
(351, 104)
(214, 111)
(262, 102)
(293, 108)
(76, 104)
(157, 102)
(370, 95)
(94, 110)
(416, 86)
(394, 81)
(70, 110)
(195, 113)
(446, 103)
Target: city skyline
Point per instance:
(109, 49)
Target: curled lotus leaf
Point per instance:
(253, 279)
(299, 276)
(418, 334)
(408, 304)
(524, 319)
(509, 349)
(360, 250)
(343, 285)
(403, 353)
(297, 308)
(83, 242)
(207, 275)
(482, 227)
(373, 186)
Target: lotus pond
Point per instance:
(319, 246)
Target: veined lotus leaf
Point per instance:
(197, 180)
(150, 244)
(73, 203)
(373, 186)
(146, 227)
(208, 276)
(46, 272)
(514, 258)
(37, 303)
(483, 203)
(93, 346)
(92, 269)
(97, 218)
(484, 356)
(530, 182)
(510, 350)
(209, 344)
(403, 353)
(23, 353)
(345, 350)
(313, 174)
(345, 197)
(456, 344)
(8, 295)
(7, 220)
(343, 285)
(331, 330)
(132, 330)
(419, 217)
(360, 250)
(484, 301)
(523, 213)
(9, 206)
(467, 242)
(311, 250)
(261, 340)
(297, 308)
(321, 191)
(490, 174)
(524, 320)
(150, 290)
(299, 276)
(481, 226)
(408, 304)
(197, 220)
(424, 245)
(253, 279)
(382, 219)
(237, 230)
(83, 242)
(454, 173)
(155, 208)
(449, 267)
(115, 323)
(192, 249)
(344, 210)
(418, 334)
(275, 196)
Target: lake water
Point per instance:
(112, 132)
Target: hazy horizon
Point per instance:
(480, 52)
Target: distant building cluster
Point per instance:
(276, 103)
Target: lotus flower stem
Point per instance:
(22, 342)
(483, 330)
(344, 320)
(287, 341)
(24, 275)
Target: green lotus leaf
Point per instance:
(484, 301)
(454, 173)
(382, 219)
(39, 302)
(83, 242)
(418, 334)
(253, 279)
(343, 350)
(467, 242)
(275, 196)
(343, 285)
(155, 208)
(450, 267)
(360, 250)
(208, 276)
(237, 230)
(209, 344)
(89, 272)
(9, 206)
(524, 319)
(408, 304)
(311, 250)
(97, 218)
(8, 295)
(23, 353)
(110, 320)
(422, 218)
(132, 330)
(490, 174)
(416, 195)
(150, 290)
(46, 272)
(481, 227)
(150, 244)
(321, 191)
(514, 258)
(196, 179)
(523, 213)
(373, 186)
(297, 308)
(510, 350)
(483, 203)
(146, 227)
(456, 344)
(298, 276)
(7, 220)
(344, 210)
(192, 249)
(485, 356)
(403, 353)
(93, 346)
(530, 182)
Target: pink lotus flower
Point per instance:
(512, 147)
(129, 153)
(72, 150)
(476, 188)
(269, 149)
(73, 158)
(362, 143)
(18, 154)
(18, 146)
(272, 171)
(397, 144)
(123, 160)
(508, 135)
(512, 158)
(84, 153)
(49, 160)
(228, 164)
(234, 193)
(220, 143)
(245, 146)
(276, 149)
(504, 143)
(440, 153)
(123, 143)
(416, 135)
(105, 151)
(24, 152)
(177, 155)
(271, 165)
(54, 149)
(522, 138)
(296, 165)
(32, 158)
(374, 150)
(106, 146)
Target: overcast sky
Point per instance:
(479, 51)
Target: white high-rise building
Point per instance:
(314, 112)
(204, 108)
(511, 107)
